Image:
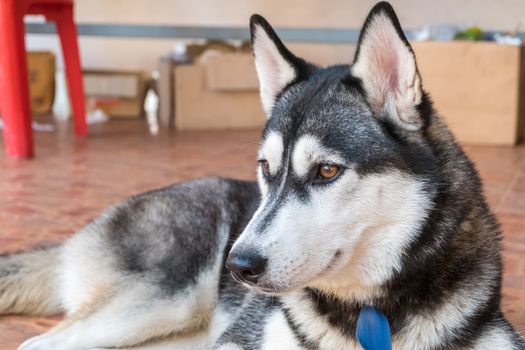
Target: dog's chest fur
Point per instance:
(294, 321)
(307, 320)
(289, 323)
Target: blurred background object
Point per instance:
(206, 77)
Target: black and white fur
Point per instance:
(403, 226)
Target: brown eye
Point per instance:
(328, 171)
(265, 167)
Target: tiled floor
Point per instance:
(46, 199)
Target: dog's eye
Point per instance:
(265, 167)
(328, 171)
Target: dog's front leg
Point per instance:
(133, 317)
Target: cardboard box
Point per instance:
(165, 90)
(477, 87)
(167, 63)
(230, 72)
(41, 73)
(219, 91)
(118, 93)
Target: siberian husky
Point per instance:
(364, 198)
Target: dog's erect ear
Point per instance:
(386, 65)
(276, 66)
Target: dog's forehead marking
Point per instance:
(272, 150)
(308, 151)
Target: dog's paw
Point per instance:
(44, 342)
(35, 343)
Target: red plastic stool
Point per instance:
(14, 87)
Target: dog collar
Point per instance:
(373, 330)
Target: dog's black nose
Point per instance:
(247, 267)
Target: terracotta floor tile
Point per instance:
(71, 180)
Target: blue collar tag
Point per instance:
(373, 330)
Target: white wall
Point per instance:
(118, 53)
(493, 14)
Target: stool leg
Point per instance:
(68, 38)
(14, 87)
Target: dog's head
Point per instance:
(344, 167)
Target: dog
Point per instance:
(364, 199)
